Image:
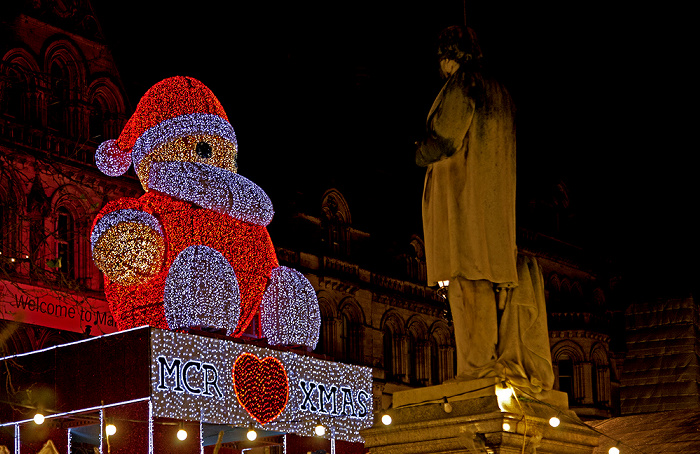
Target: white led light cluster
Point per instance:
(213, 188)
(201, 290)
(289, 313)
(192, 378)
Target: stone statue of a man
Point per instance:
(469, 202)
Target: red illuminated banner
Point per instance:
(54, 309)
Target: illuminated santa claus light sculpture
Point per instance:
(194, 249)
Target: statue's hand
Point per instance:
(129, 253)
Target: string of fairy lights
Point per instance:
(504, 393)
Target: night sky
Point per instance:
(334, 94)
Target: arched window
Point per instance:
(418, 352)
(98, 116)
(65, 243)
(565, 366)
(350, 337)
(327, 334)
(336, 221)
(388, 348)
(393, 346)
(600, 377)
(435, 361)
(59, 97)
(13, 95)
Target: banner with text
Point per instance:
(54, 309)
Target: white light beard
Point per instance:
(212, 188)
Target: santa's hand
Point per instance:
(128, 246)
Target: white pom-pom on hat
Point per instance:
(111, 160)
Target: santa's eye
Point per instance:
(204, 150)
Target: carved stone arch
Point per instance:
(62, 50)
(565, 286)
(441, 332)
(569, 377)
(107, 109)
(329, 303)
(554, 282)
(416, 325)
(20, 58)
(599, 354)
(335, 207)
(64, 103)
(351, 307)
(568, 348)
(418, 245)
(392, 320)
(73, 198)
(415, 259)
(18, 83)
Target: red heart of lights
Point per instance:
(261, 386)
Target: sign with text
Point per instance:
(219, 381)
(54, 309)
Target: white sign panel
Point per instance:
(223, 382)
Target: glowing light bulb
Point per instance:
(110, 429)
(182, 434)
(386, 419)
(503, 393)
(320, 430)
(613, 450)
(251, 435)
(506, 426)
(39, 418)
(554, 421)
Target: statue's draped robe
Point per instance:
(469, 193)
(469, 230)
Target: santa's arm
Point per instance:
(127, 245)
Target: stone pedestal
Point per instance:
(468, 417)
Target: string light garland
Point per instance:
(554, 421)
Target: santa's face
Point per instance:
(208, 149)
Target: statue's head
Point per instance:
(459, 44)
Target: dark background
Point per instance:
(334, 94)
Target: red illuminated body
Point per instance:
(247, 248)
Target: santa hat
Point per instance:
(174, 107)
